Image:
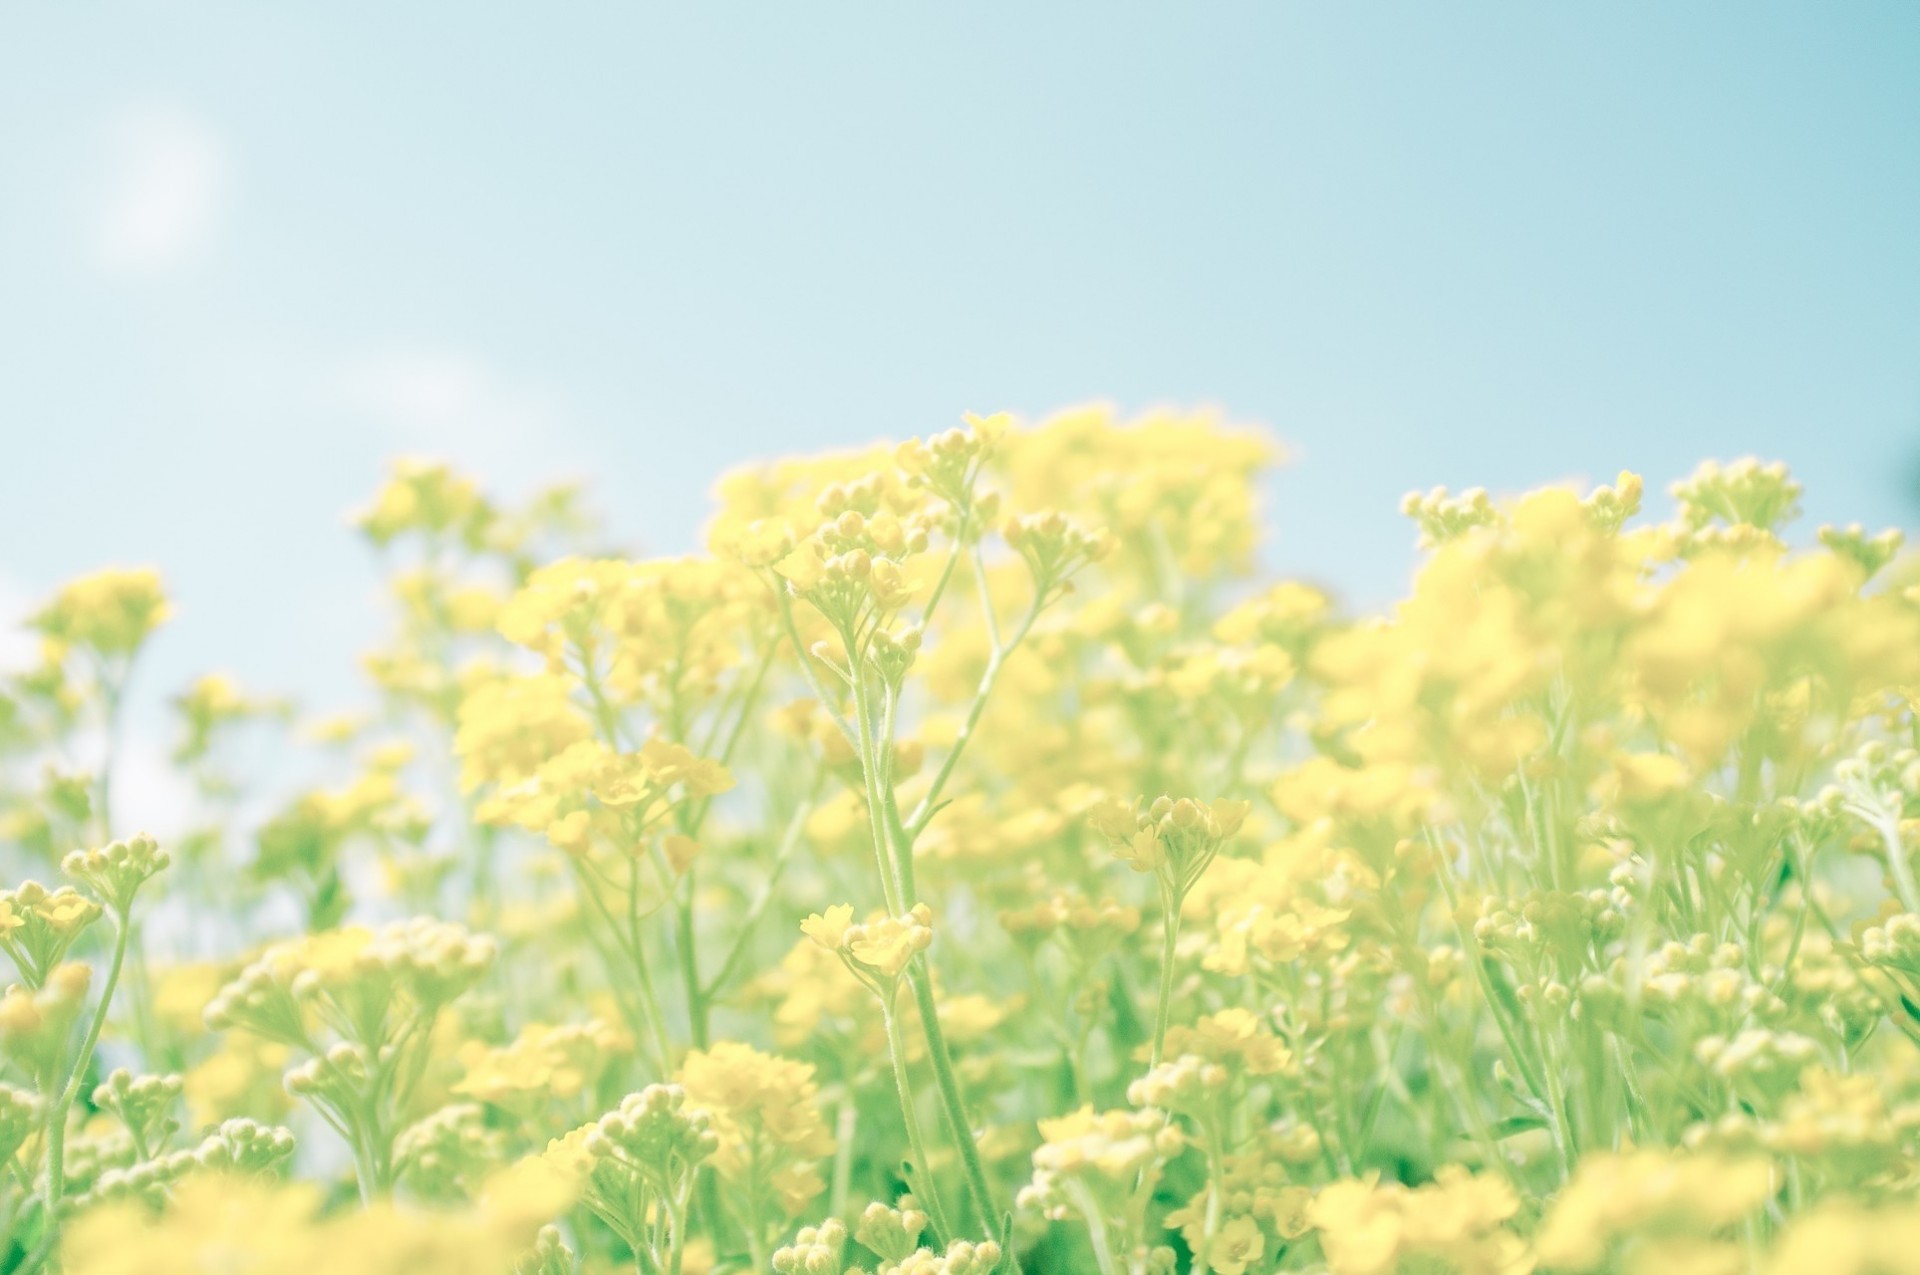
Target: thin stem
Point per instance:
(891, 885)
(756, 1231)
(1453, 1079)
(952, 1105)
(690, 967)
(364, 1172)
(1210, 1224)
(606, 715)
(650, 1001)
(789, 841)
(1897, 864)
(846, 1124)
(923, 813)
(655, 1026)
(57, 1116)
(893, 851)
(677, 1222)
(1169, 936)
(1470, 944)
(1096, 1227)
(927, 1191)
(1561, 1124)
(986, 598)
(692, 824)
(805, 659)
(953, 557)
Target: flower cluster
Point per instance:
(1562, 918)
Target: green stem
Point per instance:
(897, 838)
(789, 841)
(1470, 944)
(1453, 1076)
(1096, 1227)
(1564, 1140)
(1210, 1224)
(366, 1175)
(677, 1235)
(1163, 1007)
(1897, 864)
(986, 597)
(846, 1124)
(923, 813)
(57, 1116)
(926, 1189)
(756, 1230)
(893, 851)
(952, 1105)
(891, 885)
(805, 659)
(648, 1021)
(691, 824)
(650, 1002)
(690, 967)
(960, 534)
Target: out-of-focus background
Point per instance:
(248, 252)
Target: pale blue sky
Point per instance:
(249, 250)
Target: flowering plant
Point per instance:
(969, 864)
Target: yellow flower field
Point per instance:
(972, 862)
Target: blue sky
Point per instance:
(249, 251)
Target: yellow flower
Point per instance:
(510, 725)
(829, 929)
(681, 851)
(765, 1112)
(1640, 777)
(1841, 1237)
(110, 612)
(809, 989)
(540, 1063)
(1613, 1196)
(803, 567)
(572, 832)
(886, 945)
(1168, 485)
(428, 497)
(244, 1227)
(882, 946)
(667, 764)
(1367, 1228)
(1235, 1036)
(1236, 1246)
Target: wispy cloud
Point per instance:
(457, 405)
(150, 793)
(19, 648)
(166, 192)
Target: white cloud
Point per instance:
(166, 192)
(457, 406)
(150, 793)
(19, 648)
